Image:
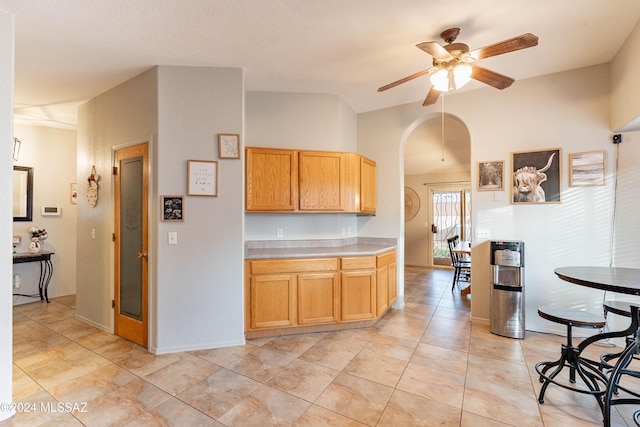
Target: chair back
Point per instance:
(452, 242)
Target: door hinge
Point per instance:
(113, 303)
(115, 170)
(113, 237)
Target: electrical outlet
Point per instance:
(279, 233)
(349, 231)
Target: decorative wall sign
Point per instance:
(92, 189)
(587, 169)
(202, 178)
(228, 146)
(536, 176)
(172, 208)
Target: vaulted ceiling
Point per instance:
(68, 51)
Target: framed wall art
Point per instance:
(491, 175)
(587, 169)
(202, 178)
(228, 146)
(536, 176)
(172, 208)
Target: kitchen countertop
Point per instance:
(318, 248)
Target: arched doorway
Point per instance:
(437, 175)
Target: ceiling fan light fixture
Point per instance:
(448, 79)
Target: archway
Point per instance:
(434, 163)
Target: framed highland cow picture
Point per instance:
(536, 176)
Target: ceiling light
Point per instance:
(451, 78)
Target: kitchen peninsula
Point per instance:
(317, 285)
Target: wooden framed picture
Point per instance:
(491, 175)
(587, 169)
(536, 176)
(172, 208)
(228, 146)
(202, 178)
(74, 193)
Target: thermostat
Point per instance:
(51, 211)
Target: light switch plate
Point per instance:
(172, 238)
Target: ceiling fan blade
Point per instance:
(432, 97)
(506, 46)
(491, 77)
(404, 80)
(434, 49)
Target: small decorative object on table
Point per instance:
(37, 236)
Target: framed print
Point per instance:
(74, 193)
(202, 178)
(228, 146)
(587, 169)
(536, 176)
(172, 208)
(491, 175)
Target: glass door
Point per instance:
(451, 216)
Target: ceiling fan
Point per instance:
(453, 64)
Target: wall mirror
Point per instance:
(22, 193)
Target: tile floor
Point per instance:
(423, 365)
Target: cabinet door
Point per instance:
(358, 296)
(321, 181)
(382, 290)
(273, 301)
(271, 180)
(317, 298)
(393, 282)
(367, 185)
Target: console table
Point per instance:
(46, 270)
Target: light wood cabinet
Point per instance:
(271, 179)
(321, 184)
(367, 185)
(289, 294)
(279, 180)
(386, 281)
(318, 300)
(272, 301)
(358, 288)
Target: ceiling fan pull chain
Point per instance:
(442, 128)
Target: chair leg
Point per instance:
(456, 274)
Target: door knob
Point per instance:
(142, 255)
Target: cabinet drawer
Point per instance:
(278, 266)
(386, 259)
(358, 263)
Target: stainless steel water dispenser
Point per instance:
(507, 288)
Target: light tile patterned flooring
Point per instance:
(422, 365)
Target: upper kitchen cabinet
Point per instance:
(279, 180)
(271, 179)
(321, 179)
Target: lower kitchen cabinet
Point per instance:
(272, 301)
(318, 299)
(287, 295)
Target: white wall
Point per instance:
(308, 121)
(200, 289)
(625, 90)
(52, 154)
(567, 110)
(7, 51)
(126, 114)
